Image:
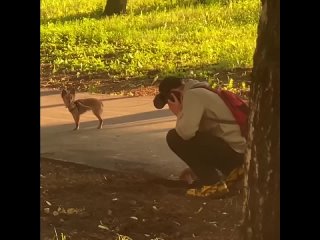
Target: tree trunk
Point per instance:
(115, 7)
(261, 219)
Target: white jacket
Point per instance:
(199, 109)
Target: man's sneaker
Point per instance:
(234, 176)
(216, 190)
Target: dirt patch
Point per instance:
(87, 203)
(144, 86)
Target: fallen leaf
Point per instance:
(179, 224)
(134, 218)
(103, 227)
(71, 211)
(47, 202)
(55, 213)
(155, 79)
(123, 237)
(46, 210)
(63, 211)
(199, 210)
(213, 222)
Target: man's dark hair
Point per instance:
(165, 87)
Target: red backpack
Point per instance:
(238, 108)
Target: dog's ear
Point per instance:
(63, 93)
(73, 92)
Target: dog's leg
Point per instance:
(97, 114)
(76, 118)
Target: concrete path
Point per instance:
(133, 136)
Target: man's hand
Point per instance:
(175, 106)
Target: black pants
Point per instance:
(204, 154)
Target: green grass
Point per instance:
(154, 36)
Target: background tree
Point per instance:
(262, 182)
(115, 7)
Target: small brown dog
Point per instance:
(80, 106)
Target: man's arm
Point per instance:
(188, 120)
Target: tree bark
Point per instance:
(115, 7)
(261, 209)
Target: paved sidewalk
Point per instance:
(133, 136)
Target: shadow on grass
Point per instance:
(145, 9)
(95, 14)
